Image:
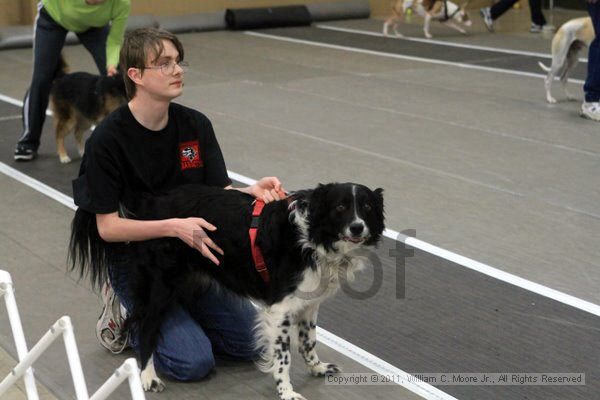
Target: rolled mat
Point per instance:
(267, 17)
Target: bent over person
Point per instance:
(99, 25)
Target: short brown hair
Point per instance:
(138, 45)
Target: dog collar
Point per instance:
(259, 261)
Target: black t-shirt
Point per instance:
(123, 158)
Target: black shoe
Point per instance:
(23, 153)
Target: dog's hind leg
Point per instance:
(273, 333)
(307, 341)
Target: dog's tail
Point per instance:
(87, 251)
(62, 68)
(542, 66)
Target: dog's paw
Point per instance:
(322, 369)
(65, 159)
(151, 382)
(551, 100)
(428, 35)
(398, 35)
(290, 395)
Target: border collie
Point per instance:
(309, 241)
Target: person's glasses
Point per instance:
(169, 67)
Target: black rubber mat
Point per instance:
(424, 314)
(484, 58)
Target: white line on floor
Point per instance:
(10, 100)
(404, 57)
(10, 117)
(381, 367)
(37, 185)
(442, 42)
(496, 273)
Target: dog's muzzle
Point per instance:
(356, 233)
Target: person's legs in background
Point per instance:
(538, 22)
(48, 42)
(489, 14)
(94, 40)
(591, 106)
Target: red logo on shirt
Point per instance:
(189, 155)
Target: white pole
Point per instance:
(127, 370)
(135, 383)
(73, 357)
(30, 358)
(6, 289)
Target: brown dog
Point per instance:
(80, 100)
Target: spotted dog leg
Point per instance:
(307, 340)
(274, 337)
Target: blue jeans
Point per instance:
(47, 46)
(219, 324)
(592, 82)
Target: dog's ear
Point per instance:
(317, 199)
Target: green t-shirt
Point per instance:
(77, 16)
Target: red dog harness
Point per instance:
(259, 261)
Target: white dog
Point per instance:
(443, 11)
(569, 40)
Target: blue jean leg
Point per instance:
(228, 321)
(188, 338)
(592, 82)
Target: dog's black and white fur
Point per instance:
(309, 242)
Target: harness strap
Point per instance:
(259, 261)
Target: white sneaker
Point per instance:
(535, 28)
(109, 329)
(486, 14)
(591, 110)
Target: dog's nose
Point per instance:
(356, 228)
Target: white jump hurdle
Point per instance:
(62, 327)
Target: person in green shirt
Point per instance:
(99, 25)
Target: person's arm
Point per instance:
(113, 228)
(115, 36)
(267, 189)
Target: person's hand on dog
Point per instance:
(191, 231)
(111, 70)
(268, 189)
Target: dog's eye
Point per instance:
(340, 208)
(367, 207)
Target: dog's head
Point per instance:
(112, 89)
(463, 16)
(343, 216)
